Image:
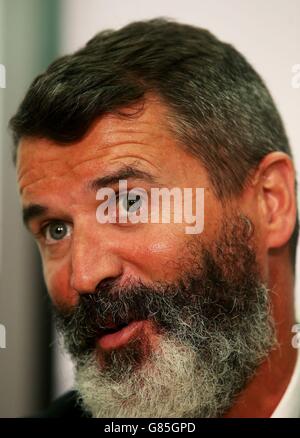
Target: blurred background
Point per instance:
(33, 368)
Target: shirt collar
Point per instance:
(289, 405)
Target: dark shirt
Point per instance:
(66, 406)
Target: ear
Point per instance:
(277, 198)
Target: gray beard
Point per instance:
(178, 380)
(210, 347)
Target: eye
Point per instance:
(56, 231)
(127, 205)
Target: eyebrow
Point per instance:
(33, 211)
(125, 172)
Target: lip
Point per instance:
(121, 337)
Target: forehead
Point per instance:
(143, 136)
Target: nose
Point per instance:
(93, 261)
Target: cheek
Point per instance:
(159, 255)
(57, 277)
(164, 260)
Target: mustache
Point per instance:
(203, 299)
(110, 308)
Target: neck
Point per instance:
(264, 392)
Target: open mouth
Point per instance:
(112, 328)
(116, 336)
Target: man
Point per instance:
(160, 322)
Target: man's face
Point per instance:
(186, 300)
(58, 177)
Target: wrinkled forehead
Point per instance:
(109, 136)
(111, 140)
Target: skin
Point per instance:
(56, 176)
